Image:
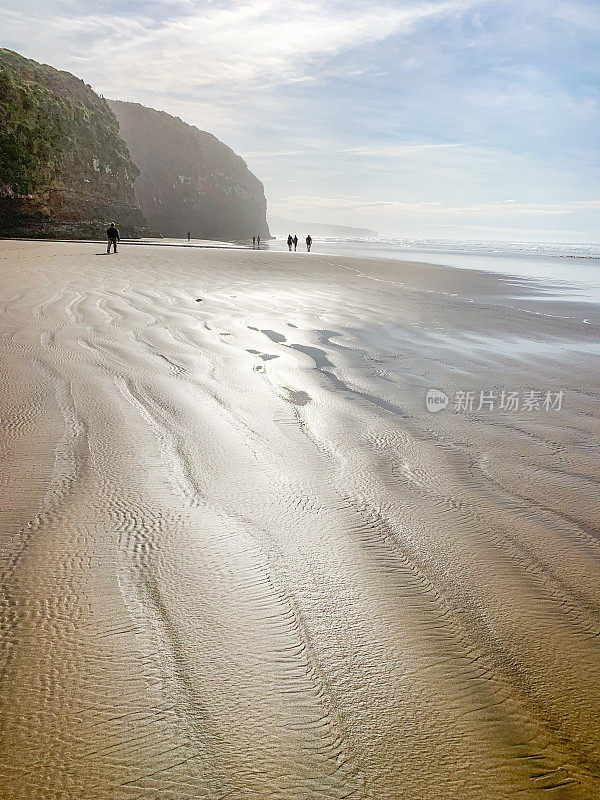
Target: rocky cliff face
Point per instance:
(189, 180)
(64, 169)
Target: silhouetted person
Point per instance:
(290, 242)
(189, 236)
(254, 241)
(295, 240)
(258, 241)
(113, 237)
(308, 242)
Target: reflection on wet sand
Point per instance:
(240, 559)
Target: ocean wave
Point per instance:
(553, 249)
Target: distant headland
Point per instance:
(283, 226)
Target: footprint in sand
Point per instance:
(264, 356)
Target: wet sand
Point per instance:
(239, 557)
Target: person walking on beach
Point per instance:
(258, 241)
(290, 242)
(308, 243)
(295, 240)
(113, 237)
(254, 241)
(189, 236)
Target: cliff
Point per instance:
(64, 169)
(189, 180)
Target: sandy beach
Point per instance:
(241, 559)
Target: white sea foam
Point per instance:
(552, 249)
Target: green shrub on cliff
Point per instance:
(26, 138)
(54, 130)
(62, 159)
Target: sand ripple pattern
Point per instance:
(239, 559)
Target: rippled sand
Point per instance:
(241, 560)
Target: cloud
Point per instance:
(376, 151)
(399, 150)
(580, 15)
(249, 45)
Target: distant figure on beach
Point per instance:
(258, 241)
(308, 242)
(189, 236)
(113, 237)
(254, 241)
(295, 240)
(290, 242)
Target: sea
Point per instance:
(566, 271)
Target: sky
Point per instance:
(450, 119)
